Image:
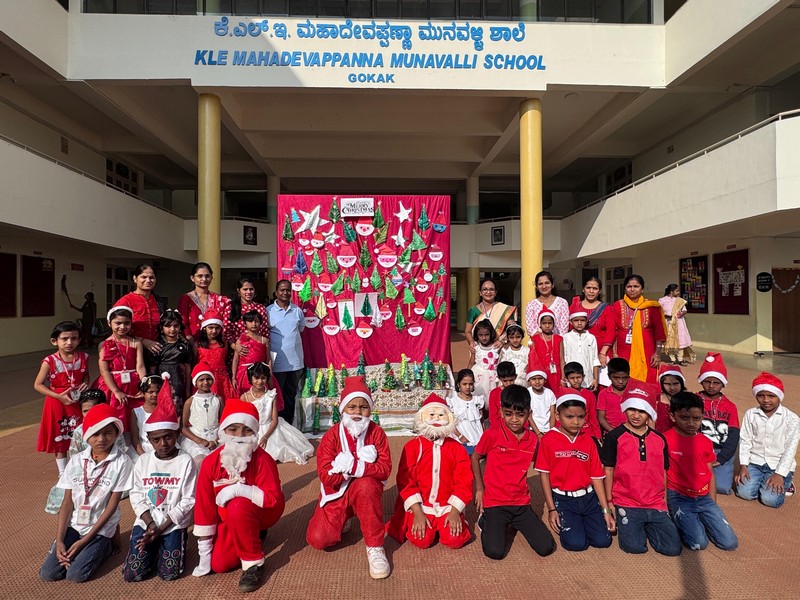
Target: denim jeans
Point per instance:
(83, 565)
(582, 522)
(167, 554)
(637, 526)
(700, 519)
(723, 475)
(756, 487)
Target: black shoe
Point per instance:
(250, 580)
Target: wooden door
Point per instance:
(786, 310)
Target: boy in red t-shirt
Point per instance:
(572, 479)
(609, 400)
(691, 493)
(507, 374)
(501, 491)
(573, 373)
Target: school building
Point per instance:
(592, 137)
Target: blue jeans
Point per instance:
(167, 554)
(638, 525)
(756, 487)
(582, 522)
(83, 565)
(699, 519)
(723, 475)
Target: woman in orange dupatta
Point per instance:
(489, 308)
(640, 330)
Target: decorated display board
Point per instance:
(731, 283)
(371, 274)
(694, 283)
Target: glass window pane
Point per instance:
(273, 7)
(552, 10)
(160, 7)
(442, 9)
(359, 8)
(469, 9)
(579, 10)
(608, 11)
(189, 7)
(130, 7)
(218, 7)
(415, 9)
(303, 7)
(498, 9)
(387, 9)
(245, 7)
(332, 8)
(637, 11)
(99, 6)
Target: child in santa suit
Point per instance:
(353, 462)
(434, 482)
(238, 496)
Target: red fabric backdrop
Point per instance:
(312, 237)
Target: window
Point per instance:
(119, 281)
(615, 279)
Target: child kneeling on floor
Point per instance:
(353, 462)
(93, 483)
(162, 498)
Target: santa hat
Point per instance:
(767, 382)
(567, 395)
(639, 403)
(535, 367)
(164, 416)
(318, 237)
(201, 368)
(355, 387)
(434, 400)
(117, 308)
(713, 366)
(576, 309)
(98, 417)
(212, 317)
(545, 312)
(239, 412)
(664, 369)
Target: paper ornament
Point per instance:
(311, 220)
(427, 277)
(404, 214)
(318, 241)
(305, 293)
(324, 282)
(417, 243)
(391, 290)
(377, 217)
(295, 216)
(386, 257)
(297, 283)
(399, 320)
(334, 214)
(399, 240)
(405, 256)
(355, 283)
(346, 257)
(377, 319)
(349, 232)
(364, 330)
(331, 264)
(347, 318)
(442, 271)
(321, 311)
(435, 253)
(425, 266)
(300, 266)
(442, 308)
(423, 222)
(381, 234)
(303, 240)
(366, 307)
(310, 317)
(439, 223)
(364, 226)
(385, 311)
(408, 298)
(365, 260)
(419, 308)
(421, 286)
(397, 279)
(330, 326)
(338, 285)
(430, 312)
(316, 265)
(287, 268)
(414, 329)
(287, 234)
(375, 279)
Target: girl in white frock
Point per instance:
(467, 407)
(283, 442)
(484, 358)
(201, 416)
(516, 353)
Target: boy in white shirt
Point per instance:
(767, 444)
(543, 401)
(580, 346)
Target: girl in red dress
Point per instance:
(257, 350)
(548, 348)
(121, 362)
(62, 377)
(213, 352)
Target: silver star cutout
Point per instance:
(404, 214)
(331, 236)
(311, 220)
(399, 240)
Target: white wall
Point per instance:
(41, 28)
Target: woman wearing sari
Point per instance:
(546, 297)
(489, 308)
(600, 321)
(639, 330)
(678, 346)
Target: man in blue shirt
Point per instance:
(286, 321)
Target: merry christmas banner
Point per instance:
(371, 273)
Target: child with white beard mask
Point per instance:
(238, 496)
(353, 462)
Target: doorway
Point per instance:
(786, 310)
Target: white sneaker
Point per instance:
(378, 563)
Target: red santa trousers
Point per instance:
(362, 498)
(238, 534)
(436, 525)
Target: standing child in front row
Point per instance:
(200, 419)
(151, 387)
(636, 459)
(548, 349)
(573, 373)
(542, 399)
(484, 357)
(176, 357)
(501, 490)
(93, 483)
(515, 352)
(691, 493)
(212, 351)
(249, 349)
(581, 346)
(572, 479)
(466, 407)
(770, 434)
(162, 498)
(507, 374)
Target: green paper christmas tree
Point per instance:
(430, 312)
(425, 266)
(423, 222)
(333, 266)
(338, 285)
(405, 256)
(362, 364)
(408, 298)
(355, 283)
(308, 386)
(375, 279)
(305, 293)
(366, 308)
(442, 271)
(336, 417)
(349, 233)
(417, 243)
(315, 423)
(364, 259)
(333, 389)
(434, 278)
(391, 290)
(316, 265)
(334, 214)
(347, 318)
(399, 320)
(288, 235)
(377, 218)
(381, 233)
(442, 308)
(389, 381)
(322, 310)
(441, 376)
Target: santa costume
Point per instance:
(353, 462)
(238, 496)
(434, 474)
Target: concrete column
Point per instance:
(473, 200)
(462, 300)
(208, 183)
(530, 189)
(473, 288)
(273, 189)
(272, 280)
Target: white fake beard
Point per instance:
(236, 452)
(355, 428)
(433, 433)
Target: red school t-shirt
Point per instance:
(572, 464)
(639, 462)
(495, 407)
(689, 472)
(611, 402)
(505, 479)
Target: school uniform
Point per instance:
(573, 465)
(582, 348)
(540, 407)
(610, 401)
(721, 426)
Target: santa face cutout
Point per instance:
(324, 285)
(435, 253)
(414, 328)
(439, 227)
(297, 284)
(312, 321)
(309, 250)
(386, 312)
(364, 330)
(331, 327)
(364, 227)
(331, 304)
(422, 287)
(346, 259)
(318, 241)
(303, 242)
(419, 309)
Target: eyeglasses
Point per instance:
(488, 290)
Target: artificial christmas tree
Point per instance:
(315, 421)
(389, 381)
(335, 414)
(362, 364)
(441, 376)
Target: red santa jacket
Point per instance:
(334, 486)
(261, 472)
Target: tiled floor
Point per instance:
(763, 566)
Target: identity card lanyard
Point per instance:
(85, 510)
(69, 369)
(629, 336)
(125, 374)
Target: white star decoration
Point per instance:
(407, 268)
(331, 236)
(399, 240)
(311, 220)
(404, 214)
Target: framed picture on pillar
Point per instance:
(249, 235)
(499, 235)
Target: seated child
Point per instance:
(507, 374)
(201, 416)
(353, 461)
(542, 400)
(283, 442)
(770, 434)
(515, 353)
(636, 459)
(720, 420)
(434, 482)
(93, 483)
(581, 346)
(150, 387)
(572, 479)
(573, 373)
(238, 497)
(672, 381)
(691, 493)
(609, 400)
(466, 407)
(501, 491)
(162, 498)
